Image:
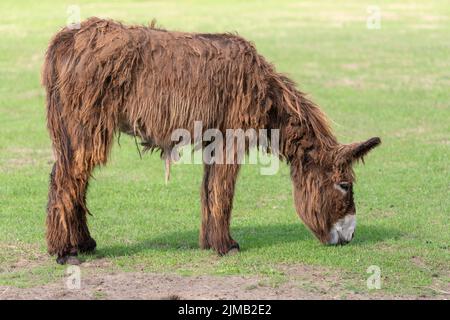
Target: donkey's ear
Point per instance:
(357, 151)
(363, 148)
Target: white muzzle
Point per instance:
(343, 230)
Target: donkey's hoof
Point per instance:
(68, 259)
(72, 260)
(234, 249)
(87, 246)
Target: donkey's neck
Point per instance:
(304, 127)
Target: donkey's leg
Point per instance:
(217, 200)
(88, 244)
(67, 230)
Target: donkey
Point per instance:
(105, 78)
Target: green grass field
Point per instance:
(392, 82)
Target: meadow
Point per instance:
(392, 81)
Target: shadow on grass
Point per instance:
(249, 237)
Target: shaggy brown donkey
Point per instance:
(106, 77)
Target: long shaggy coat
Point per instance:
(106, 77)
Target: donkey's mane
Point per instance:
(306, 117)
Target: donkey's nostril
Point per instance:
(353, 234)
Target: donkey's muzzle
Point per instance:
(343, 230)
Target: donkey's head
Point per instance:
(323, 190)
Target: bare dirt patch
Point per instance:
(302, 282)
(23, 157)
(406, 132)
(345, 82)
(20, 256)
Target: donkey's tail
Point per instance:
(56, 115)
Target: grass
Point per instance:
(392, 82)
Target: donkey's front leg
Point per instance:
(217, 200)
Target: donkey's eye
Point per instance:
(345, 186)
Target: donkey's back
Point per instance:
(152, 81)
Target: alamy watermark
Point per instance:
(73, 281)
(229, 147)
(374, 280)
(373, 21)
(73, 17)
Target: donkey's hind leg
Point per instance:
(217, 200)
(67, 230)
